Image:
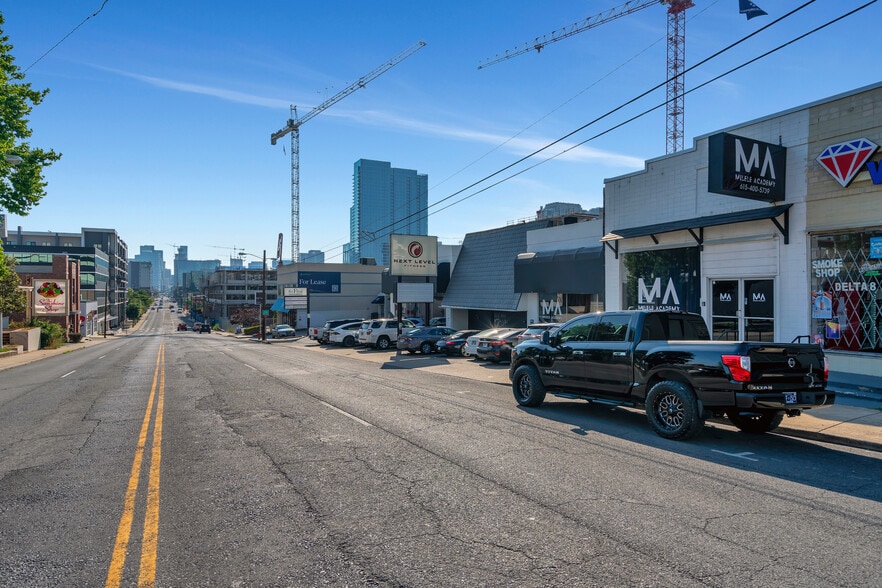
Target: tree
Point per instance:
(12, 298)
(21, 183)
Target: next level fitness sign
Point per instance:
(746, 168)
(413, 255)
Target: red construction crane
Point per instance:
(676, 54)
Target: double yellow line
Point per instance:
(147, 571)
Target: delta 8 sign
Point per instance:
(413, 255)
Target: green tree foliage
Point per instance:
(12, 298)
(21, 185)
(138, 303)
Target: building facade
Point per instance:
(335, 291)
(235, 296)
(769, 229)
(103, 284)
(158, 270)
(385, 200)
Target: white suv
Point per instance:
(382, 333)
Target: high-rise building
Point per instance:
(385, 200)
(157, 276)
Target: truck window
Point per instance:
(612, 327)
(653, 330)
(581, 329)
(687, 328)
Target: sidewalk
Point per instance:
(855, 420)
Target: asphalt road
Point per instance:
(269, 465)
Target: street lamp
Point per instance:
(263, 300)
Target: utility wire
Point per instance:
(621, 106)
(48, 51)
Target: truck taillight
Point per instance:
(826, 369)
(739, 367)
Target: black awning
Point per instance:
(771, 213)
(577, 271)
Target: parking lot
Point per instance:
(435, 362)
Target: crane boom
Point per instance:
(675, 55)
(577, 27)
(293, 127)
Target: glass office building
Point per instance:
(385, 200)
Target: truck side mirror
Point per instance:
(545, 338)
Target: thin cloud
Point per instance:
(518, 145)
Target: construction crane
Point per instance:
(676, 55)
(293, 127)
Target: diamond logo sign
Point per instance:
(843, 161)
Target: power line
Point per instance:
(48, 51)
(620, 107)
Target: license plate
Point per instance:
(790, 398)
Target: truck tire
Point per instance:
(383, 343)
(527, 386)
(672, 410)
(756, 423)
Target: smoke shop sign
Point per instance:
(746, 168)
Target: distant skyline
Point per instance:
(163, 113)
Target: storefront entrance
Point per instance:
(743, 309)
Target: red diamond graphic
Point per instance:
(844, 160)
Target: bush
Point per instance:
(51, 334)
(75, 337)
(253, 330)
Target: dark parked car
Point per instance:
(203, 328)
(455, 343)
(498, 347)
(422, 340)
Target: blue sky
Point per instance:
(163, 110)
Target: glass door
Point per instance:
(743, 310)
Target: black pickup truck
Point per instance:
(665, 362)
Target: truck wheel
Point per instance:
(426, 348)
(527, 386)
(383, 343)
(672, 410)
(756, 423)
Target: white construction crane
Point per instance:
(293, 127)
(676, 54)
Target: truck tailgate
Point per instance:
(792, 366)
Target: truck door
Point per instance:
(566, 368)
(608, 356)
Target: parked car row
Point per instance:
(493, 345)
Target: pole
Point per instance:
(106, 302)
(263, 302)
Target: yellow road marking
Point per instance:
(118, 560)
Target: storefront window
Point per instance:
(846, 296)
(561, 307)
(662, 279)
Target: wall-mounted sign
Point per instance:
(746, 168)
(845, 160)
(413, 255)
(319, 282)
(51, 297)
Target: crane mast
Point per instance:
(676, 55)
(293, 128)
